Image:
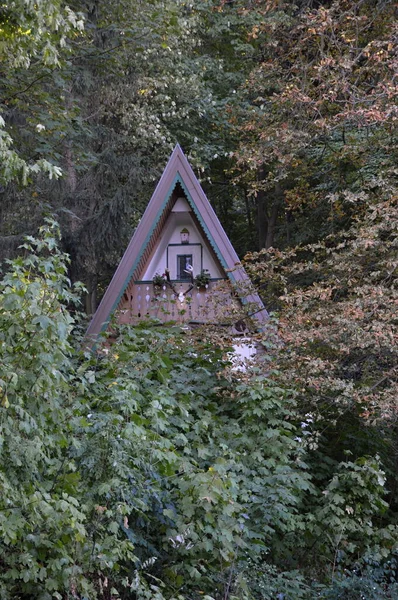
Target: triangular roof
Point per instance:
(177, 171)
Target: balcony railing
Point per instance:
(179, 302)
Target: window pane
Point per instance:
(183, 261)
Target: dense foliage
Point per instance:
(287, 111)
(153, 470)
(148, 469)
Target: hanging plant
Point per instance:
(202, 279)
(158, 280)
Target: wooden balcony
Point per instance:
(178, 302)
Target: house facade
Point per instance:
(179, 265)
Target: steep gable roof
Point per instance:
(177, 171)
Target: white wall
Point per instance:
(179, 218)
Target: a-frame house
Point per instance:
(179, 265)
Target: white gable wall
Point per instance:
(180, 218)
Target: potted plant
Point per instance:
(202, 280)
(158, 282)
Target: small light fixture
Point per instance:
(184, 233)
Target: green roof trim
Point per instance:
(141, 252)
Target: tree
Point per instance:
(40, 517)
(320, 114)
(124, 91)
(336, 301)
(30, 33)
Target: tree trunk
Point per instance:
(273, 217)
(262, 218)
(268, 207)
(91, 298)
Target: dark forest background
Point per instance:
(286, 111)
(155, 471)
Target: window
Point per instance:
(183, 261)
